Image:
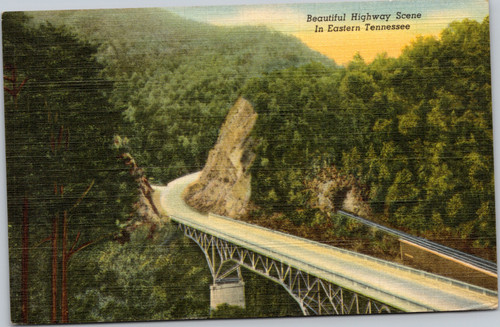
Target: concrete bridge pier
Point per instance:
(314, 295)
(230, 291)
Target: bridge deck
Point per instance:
(398, 286)
(486, 266)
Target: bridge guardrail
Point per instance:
(341, 280)
(480, 263)
(358, 255)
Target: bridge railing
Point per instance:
(397, 266)
(344, 282)
(480, 263)
(314, 295)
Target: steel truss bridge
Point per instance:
(314, 295)
(324, 280)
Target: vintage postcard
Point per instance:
(249, 161)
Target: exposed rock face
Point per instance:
(145, 207)
(333, 191)
(224, 184)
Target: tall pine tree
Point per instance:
(63, 175)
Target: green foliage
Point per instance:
(295, 106)
(228, 311)
(415, 130)
(176, 79)
(60, 127)
(173, 81)
(59, 131)
(159, 278)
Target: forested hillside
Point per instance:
(82, 90)
(412, 134)
(175, 79)
(66, 189)
(408, 141)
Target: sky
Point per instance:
(435, 15)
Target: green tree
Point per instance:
(59, 132)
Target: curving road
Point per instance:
(395, 285)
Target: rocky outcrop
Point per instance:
(145, 208)
(224, 184)
(332, 191)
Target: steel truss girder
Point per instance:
(314, 295)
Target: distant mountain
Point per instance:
(403, 141)
(175, 79)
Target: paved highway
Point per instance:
(395, 285)
(486, 266)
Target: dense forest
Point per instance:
(77, 98)
(176, 79)
(413, 134)
(67, 189)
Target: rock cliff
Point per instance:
(332, 191)
(146, 212)
(224, 184)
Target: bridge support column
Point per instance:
(231, 292)
(314, 295)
